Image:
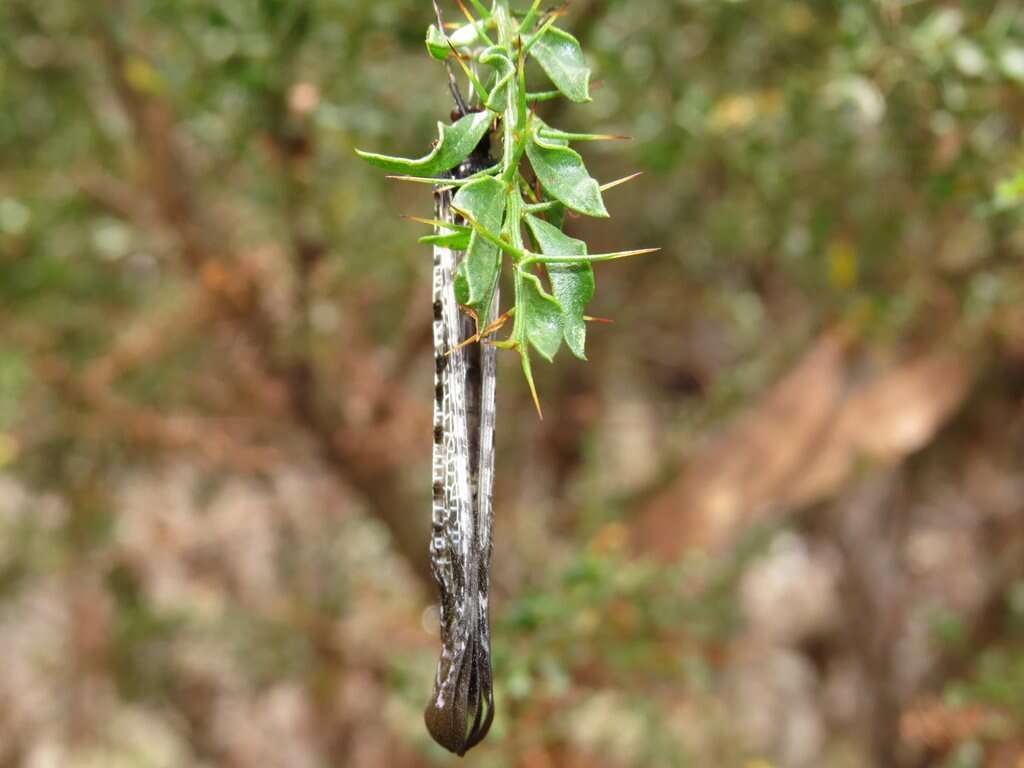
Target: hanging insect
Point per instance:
(483, 208)
(461, 708)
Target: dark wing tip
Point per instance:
(467, 714)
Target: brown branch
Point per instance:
(989, 621)
(142, 342)
(216, 440)
(116, 197)
(803, 441)
(870, 534)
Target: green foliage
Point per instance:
(997, 679)
(494, 205)
(1010, 192)
(455, 142)
(562, 174)
(14, 378)
(483, 202)
(561, 57)
(573, 284)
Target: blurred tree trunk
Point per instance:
(367, 457)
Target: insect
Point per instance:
(508, 219)
(461, 708)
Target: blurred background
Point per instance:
(776, 521)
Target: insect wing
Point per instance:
(461, 709)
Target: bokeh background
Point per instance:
(777, 519)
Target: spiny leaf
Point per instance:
(541, 316)
(454, 144)
(572, 284)
(442, 184)
(560, 56)
(562, 173)
(483, 202)
(556, 211)
(545, 133)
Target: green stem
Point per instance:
(503, 21)
(480, 9)
(530, 16)
(541, 207)
(515, 218)
(533, 98)
(516, 252)
(536, 36)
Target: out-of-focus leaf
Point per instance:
(1010, 192)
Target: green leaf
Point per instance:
(562, 173)
(456, 241)
(546, 134)
(572, 284)
(556, 216)
(541, 316)
(483, 203)
(505, 72)
(560, 56)
(461, 284)
(437, 41)
(454, 144)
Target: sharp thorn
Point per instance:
(623, 180)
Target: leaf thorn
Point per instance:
(623, 180)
